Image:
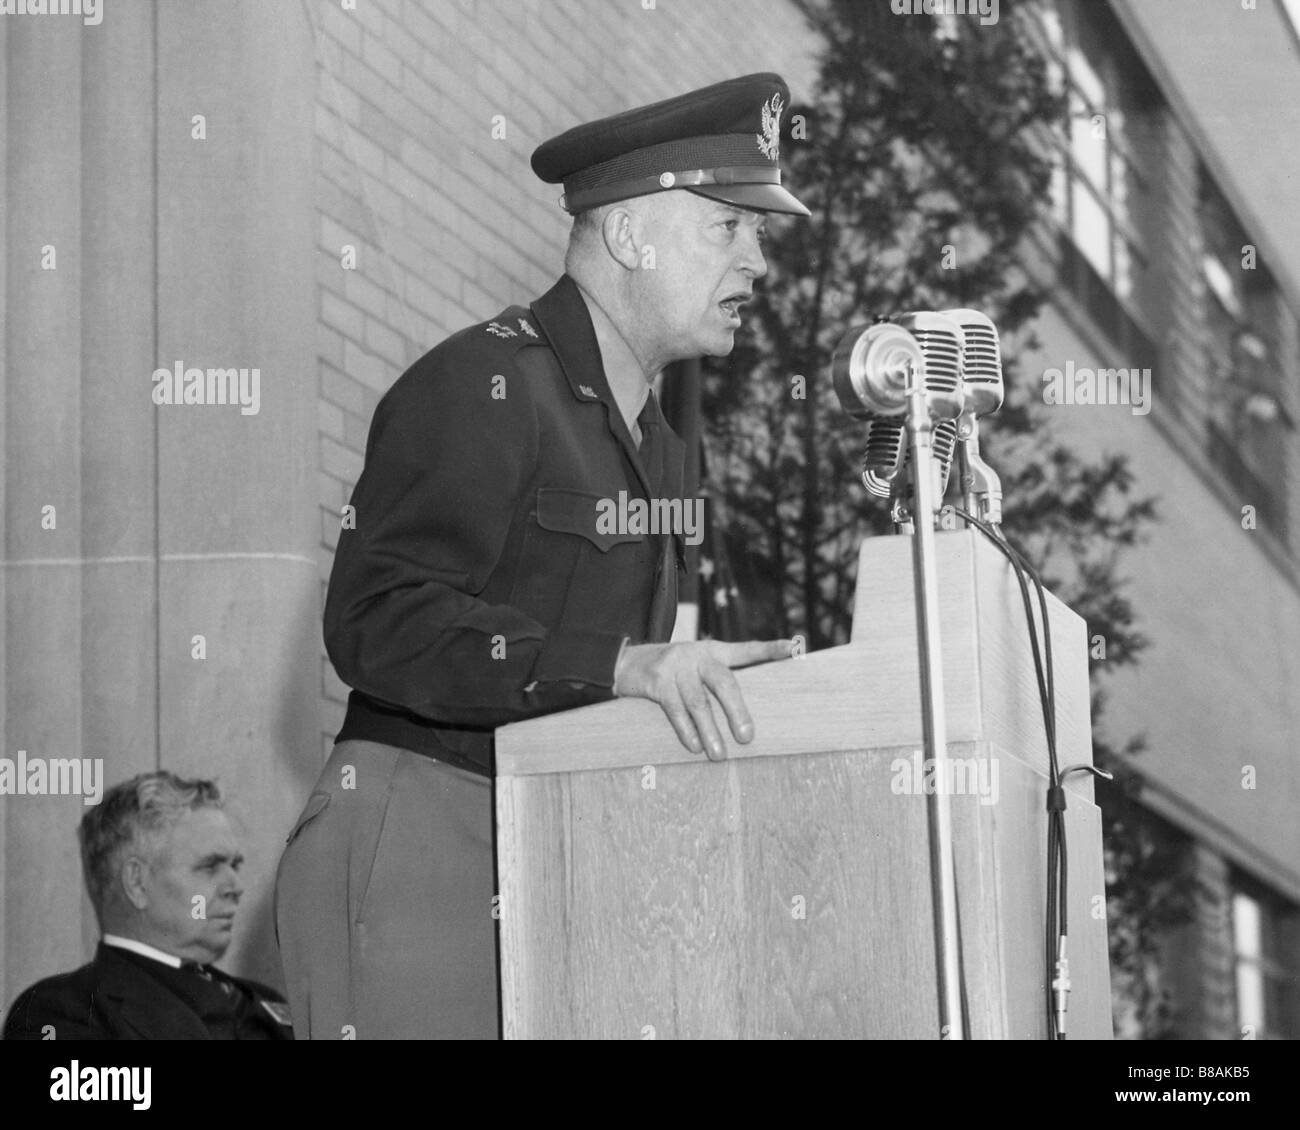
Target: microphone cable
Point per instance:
(1057, 984)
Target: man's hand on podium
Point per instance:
(680, 677)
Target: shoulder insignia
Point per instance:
(498, 330)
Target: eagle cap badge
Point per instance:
(769, 141)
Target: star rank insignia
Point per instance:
(523, 325)
(498, 330)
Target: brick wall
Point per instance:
(1215, 1017)
(448, 221)
(1196, 968)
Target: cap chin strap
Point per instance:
(574, 202)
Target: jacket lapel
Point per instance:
(143, 1005)
(562, 313)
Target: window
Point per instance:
(1266, 945)
(1100, 190)
(1247, 421)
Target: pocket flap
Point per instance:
(579, 512)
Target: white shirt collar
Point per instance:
(142, 949)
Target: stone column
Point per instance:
(172, 522)
(237, 512)
(43, 505)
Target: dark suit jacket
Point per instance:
(118, 997)
(478, 586)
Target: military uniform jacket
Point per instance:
(480, 584)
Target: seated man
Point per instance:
(161, 863)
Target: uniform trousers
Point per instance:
(384, 901)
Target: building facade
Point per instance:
(1176, 214)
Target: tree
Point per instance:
(923, 156)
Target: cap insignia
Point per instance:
(769, 141)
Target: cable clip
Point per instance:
(1104, 774)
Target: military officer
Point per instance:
(478, 586)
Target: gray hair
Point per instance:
(588, 221)
(585, 236)
(131, 815)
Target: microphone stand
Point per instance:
(943, 879)
(883, 369)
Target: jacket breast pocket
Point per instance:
(580, 512)
(578, 567)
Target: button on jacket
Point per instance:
(478, 586)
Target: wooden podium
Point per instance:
(785, 892)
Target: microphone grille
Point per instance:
(886, 453)
(945, 444)
(942, 345)
(942, 351)
(983, 361)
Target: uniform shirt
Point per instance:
(480, 585)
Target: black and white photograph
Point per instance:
(650, 520)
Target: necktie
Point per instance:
(208, 974)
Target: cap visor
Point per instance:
(757, 197)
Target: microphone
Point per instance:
(943, 444)
(870, 369)
(942, 343)
(985, 389)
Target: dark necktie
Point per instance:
(208, 974)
